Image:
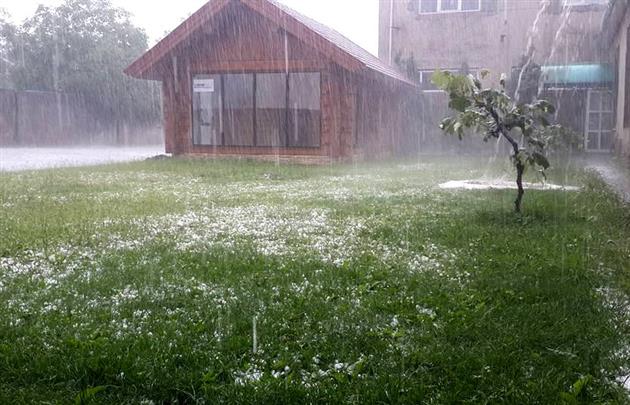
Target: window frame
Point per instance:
(599, 111)
(221, 75)
(583, 3)
(440, 10)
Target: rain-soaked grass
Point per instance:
(140, 283)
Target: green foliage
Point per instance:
(577, 392)
(561, 140)
(487, 309)
(7, 34)
(494, 114)
(88, 395)
(82, 47)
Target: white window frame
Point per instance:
(441, 11)
(579, 3)
(600, 111)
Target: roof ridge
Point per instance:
(360, 55)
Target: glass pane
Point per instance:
(207, 110)
(607, 121)
(470, 5)
(428, 6)
(449, 5)
(271, 118)
(607, 101)
(426, 84)
(238, 122)
(606, 140)
(304, 109)
(592, 142)
(593, 121)
(595, 101)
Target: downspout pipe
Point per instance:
(391, 30)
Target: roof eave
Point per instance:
(145, 66)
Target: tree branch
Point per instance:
(502, 131)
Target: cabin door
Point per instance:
(599, 121)
(207, 102)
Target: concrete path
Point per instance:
(617, 177)
(18, 159)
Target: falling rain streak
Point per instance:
(292, 201)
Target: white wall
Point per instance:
(621, 43)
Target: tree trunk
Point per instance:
(520, 166)
(520, 169)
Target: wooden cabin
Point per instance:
(255, 78)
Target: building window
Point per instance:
(448, 6)
(238, 109)
(599, 120)
(577, 3)
(262, 109)
(271, 109)
(304, 109)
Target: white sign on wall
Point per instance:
(203, 85)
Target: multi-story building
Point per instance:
(616, 38)
(560, 36)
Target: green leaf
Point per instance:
(581, 384)
(459, 103)
(441, 79)
(88, 395)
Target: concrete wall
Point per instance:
(621, 47)
(494, 38)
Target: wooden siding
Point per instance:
(362, 114)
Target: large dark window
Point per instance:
(238, 119)
(262, 109)
(271, 109)
(304, 110)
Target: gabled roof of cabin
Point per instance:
(339, 48)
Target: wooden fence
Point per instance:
(29, 118)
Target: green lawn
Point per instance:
(367, 284)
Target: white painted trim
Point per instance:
(600, 112)
(440, 11)
(391, 31)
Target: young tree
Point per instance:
(7, 34)
(494, 114)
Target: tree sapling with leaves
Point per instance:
(494, 114)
